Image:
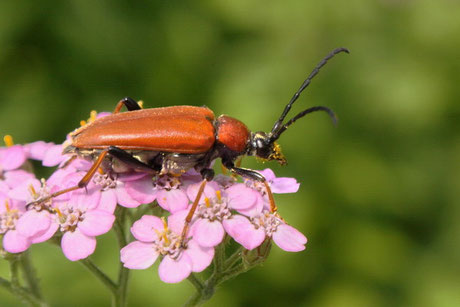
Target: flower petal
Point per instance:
(53, 156)
(96, 222)
(138, 255)
(108, 202)
(145, 229)
(76, 245)
(256, 209)
(45, 236)
(244, 232)
(16, 177)
(284, 185)
(268, 174)
(207, 233)
(141, 190)
(241, 197)
(13, 157)
(33, 223)
(36, 150)
(176, 221)
(201, 256)
(289, 238)
(174, 271)
(14, 242)
(124, 198)
(173, 200)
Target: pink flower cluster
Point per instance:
(227, 207)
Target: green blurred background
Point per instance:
(379, 193)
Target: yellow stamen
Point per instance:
(165, 224)
(92, 116)
(100, 171)
(8, 139)
(219, 195)
(7, 205)
(82, 123)
(207, 202)
(58, 212)
(141, 104)
(32, 191)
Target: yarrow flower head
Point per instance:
(158, 238)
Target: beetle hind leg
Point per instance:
(81, 184)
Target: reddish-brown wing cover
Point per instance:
(181, 129)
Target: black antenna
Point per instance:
(283, 128)
(315, 71)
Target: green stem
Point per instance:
(196, 282)
(234, 258)
(30, 275)
(21, 293)
(14, 272)
(120, 296)
(93, 268)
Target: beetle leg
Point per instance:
(128, 159)
(256, 176)
(81, 184)
(130, 104)
(207, 175)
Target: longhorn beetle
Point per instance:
(171, 140)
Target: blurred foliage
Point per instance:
(379, 198)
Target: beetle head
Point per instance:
(263, 147)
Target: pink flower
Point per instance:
(12, 157)
(80, 225)
(278, 185)
(10, 211)
(215, 209)
(36, 223)
(37, 150)
(158, 238)
(252, 232)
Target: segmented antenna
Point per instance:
(304, 85)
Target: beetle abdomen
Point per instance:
(180, 129)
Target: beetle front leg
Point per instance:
(256, 176)
(130, 104)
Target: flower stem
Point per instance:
(21, 293)
(30, 275)
(93, 268)
(120, 296)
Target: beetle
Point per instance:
(172, 140)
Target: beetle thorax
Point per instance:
(232, 133)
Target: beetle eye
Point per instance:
(260, 143)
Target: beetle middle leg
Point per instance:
(131, 161)
(256, 176)
(208, 175)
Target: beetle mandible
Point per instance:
(171, 140)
